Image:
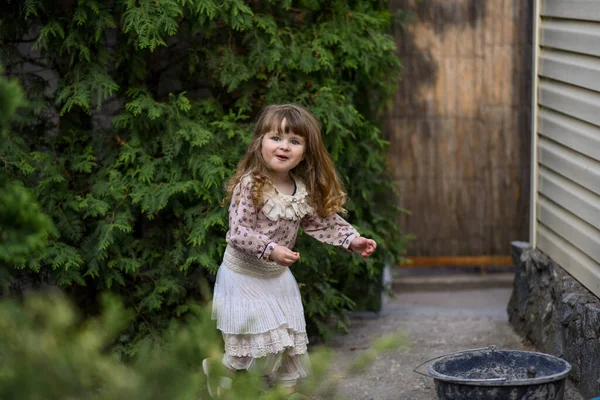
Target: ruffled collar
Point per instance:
(284, 206)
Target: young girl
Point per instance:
(285, 181)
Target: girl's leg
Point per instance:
(266, 366)
(215, 388)
(293, 368)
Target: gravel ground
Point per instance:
(437, 321)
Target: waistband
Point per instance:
(244, 263)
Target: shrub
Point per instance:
(23, 226)
(138, 112)
(47, 351)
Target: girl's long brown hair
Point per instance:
(316, 170)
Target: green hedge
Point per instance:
(143, 111)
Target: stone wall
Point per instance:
(557, 314)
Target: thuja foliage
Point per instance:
(50, 352)
(24, 228)
(137, 112)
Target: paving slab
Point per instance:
(436, 322)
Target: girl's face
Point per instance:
(282, 151)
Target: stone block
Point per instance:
(589, 366)
(564, 312)
(591, 324)
(540, 260)
(517, 249)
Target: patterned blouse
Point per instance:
(258, 231)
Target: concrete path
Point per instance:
(439, 316)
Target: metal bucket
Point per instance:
(492, 374)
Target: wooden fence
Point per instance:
(460, 127)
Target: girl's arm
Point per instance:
(242, 223)
(337, 231)
(332, 230)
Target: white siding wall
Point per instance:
(566, 170)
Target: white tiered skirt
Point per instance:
(261, 318)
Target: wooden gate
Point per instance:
(460, 128)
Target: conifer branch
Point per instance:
(112, 220)
(123, 199)
(64, 169)
(33, 61)
(16, 41)
(140, 314)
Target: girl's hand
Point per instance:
(364, 246)
(284, 256)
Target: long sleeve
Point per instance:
(243, 223)
(332, 230)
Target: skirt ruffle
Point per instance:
(261, 344)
